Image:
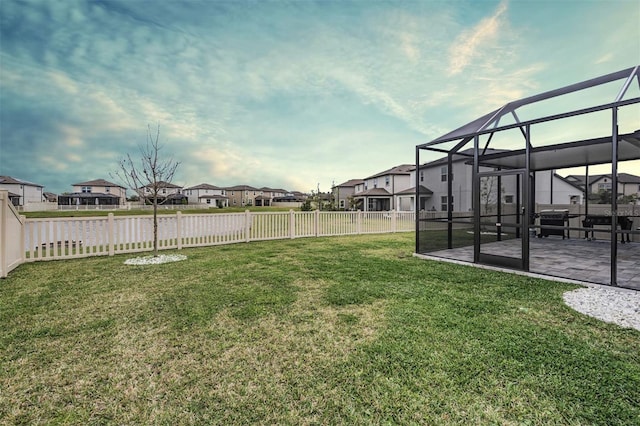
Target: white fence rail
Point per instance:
(65, 238)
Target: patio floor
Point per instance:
(572, 259)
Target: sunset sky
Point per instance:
(284, 94)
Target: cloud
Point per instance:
(608, 57)
(470, 44)
(72, 136)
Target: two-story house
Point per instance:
(168, 193)
(380, 192)
(268, 195)
(551, 188)
(628, 184)
(344, 194)
(242, 195)
(97, 192)
(207, 194)
(21, 192)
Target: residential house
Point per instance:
(268, 195)
(628, 184)
(242, 195)
(50, 197)
(21, 192)
(291, 197)
(551, 188)
(94, 192)
(168, 193)
(379, 192)
(344, 193)
(207, 194)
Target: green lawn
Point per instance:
(342, 330)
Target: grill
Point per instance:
(554, 218)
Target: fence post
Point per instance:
(23, 231)
(317, 222)
(292, 224)
(110, 234)
(4, 198)
(247, 226)
(179, 229)
(393, 221)
(359, 223)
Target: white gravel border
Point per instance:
(155, 260)
(618, 306)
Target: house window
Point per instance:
(443, 174)
(342, 204)
(375, 183)
(422, 176)
(508, 199)
(208, 200)
(107, 190)
(387, 180)
(574, 199)
(164, 191)
(443, 203)
(604, 186)
(86, 189)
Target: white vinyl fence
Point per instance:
(65, 238)
(11, 224)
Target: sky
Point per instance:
(298, 95)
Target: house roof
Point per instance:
(97, 182)
(351, 183)
(163, 184)
(10, 180)
(571, 182)
(622, 178)
(381, 192)
(423, 190)
(204, 186)
(241, 188)
(402, 169)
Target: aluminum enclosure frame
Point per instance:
(608, 149)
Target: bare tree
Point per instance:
(149, 176)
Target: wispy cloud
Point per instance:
(472, 44)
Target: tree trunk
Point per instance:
(155, 226)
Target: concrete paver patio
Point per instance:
(574, 259)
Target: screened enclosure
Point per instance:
(525, 186)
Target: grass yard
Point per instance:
(341, 330)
